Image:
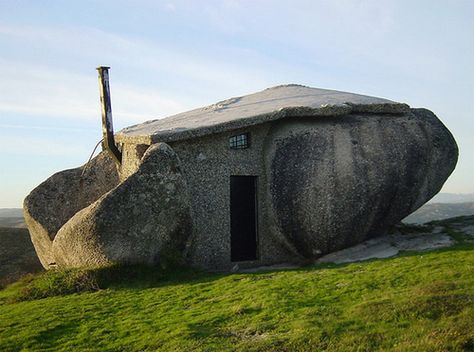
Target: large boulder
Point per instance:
(336, 182)
(50, 205)
(145, 219)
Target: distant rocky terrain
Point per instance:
(13, 222)
(12, 217)
(17, 255)
(439, 211)
(11, 213)
(453, 198)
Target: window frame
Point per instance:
(239, 141)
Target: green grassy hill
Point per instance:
(413, 302)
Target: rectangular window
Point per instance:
(240, 141)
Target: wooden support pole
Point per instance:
(107, 124)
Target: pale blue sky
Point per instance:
(171, 56)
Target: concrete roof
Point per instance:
(268, 105)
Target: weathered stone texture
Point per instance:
(131, 159)
(271, 104)
(332, 168)
(50, 205)
(141, 220)
(334, 183)
(208, 163)
(323, 184)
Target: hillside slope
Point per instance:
(11, 213)
(17, 255)
(453, 198)
(418, 301)
(12, 217)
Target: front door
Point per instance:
(243, 215)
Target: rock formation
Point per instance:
(50, 205)
(141, 220)
(96, 221)
(330, 169)
(337, 183)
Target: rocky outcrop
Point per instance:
(50, 205)
(333, 184)
(145, 219)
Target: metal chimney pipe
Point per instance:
(107, 124)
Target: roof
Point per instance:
(268, 105)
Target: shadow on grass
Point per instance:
(136, 277)
(63, 282)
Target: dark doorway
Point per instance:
(243, 218)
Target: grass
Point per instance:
(415, 302)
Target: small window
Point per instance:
(240, 141)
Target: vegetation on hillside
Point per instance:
(414, 302)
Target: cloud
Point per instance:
(31, 90)
(148, 56)
(42, 128)
(40, 87)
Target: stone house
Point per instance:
(283, 175)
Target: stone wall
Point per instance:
(208, 163)
(323, 183)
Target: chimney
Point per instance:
(107, 124)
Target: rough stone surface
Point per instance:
(334, 183)
(333, 169)
(419, 238)
(50, 205)
(469, 230)
(208, 163)
(323, 184)
(271, 104)
(388, 246)
(464, 224)
(143, 220)
(132, 155)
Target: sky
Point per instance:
(167, 57)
